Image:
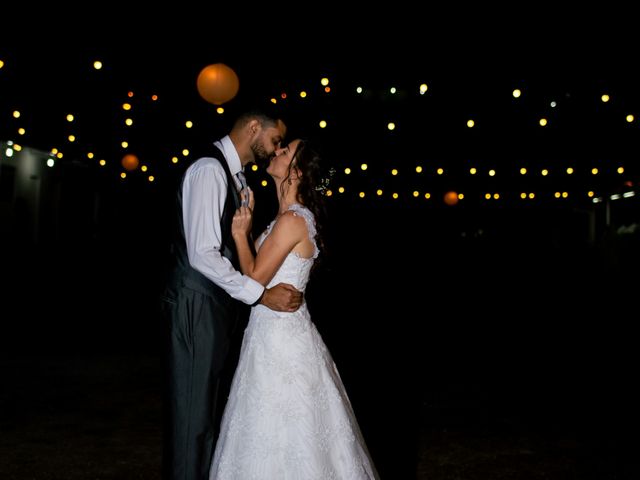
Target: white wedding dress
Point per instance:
(288, 416)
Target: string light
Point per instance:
(455, 172)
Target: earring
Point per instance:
(289, 181)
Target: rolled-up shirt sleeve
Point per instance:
(204, 193)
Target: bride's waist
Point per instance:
(262, 311)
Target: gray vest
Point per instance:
(183, 274)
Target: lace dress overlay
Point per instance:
(288, 415)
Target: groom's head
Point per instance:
(256, 135)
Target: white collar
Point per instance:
(230, 154)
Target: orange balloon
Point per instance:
(218, 83)
(130, 162)
(451, 198)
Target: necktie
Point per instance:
(243, 183)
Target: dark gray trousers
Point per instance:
(199, 329)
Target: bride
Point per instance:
(288, 415)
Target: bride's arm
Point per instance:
(241, 233)
(285, 234)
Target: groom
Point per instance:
(205, 294)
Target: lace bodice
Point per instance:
(295, 269)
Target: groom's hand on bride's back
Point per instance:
(282, 297)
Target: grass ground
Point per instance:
(79, 417)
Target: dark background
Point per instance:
(455, 349)
(479, 328)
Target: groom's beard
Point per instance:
(262, 157)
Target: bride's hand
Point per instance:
(242, 220)
(251, 201)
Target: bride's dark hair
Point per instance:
(314, 182)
